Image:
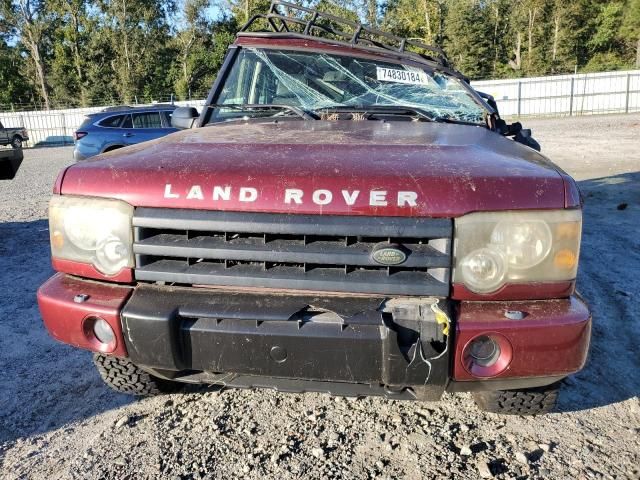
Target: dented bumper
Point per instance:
(340, 344)
(316, 338)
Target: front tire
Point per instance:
(125, 377)
(526, 401)
(16, 142)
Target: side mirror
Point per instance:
(490, 100)
(184, 117)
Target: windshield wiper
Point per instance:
(266, 107)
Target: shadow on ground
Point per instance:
(609, 281)
(45, 384)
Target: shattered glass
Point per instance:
(314, 81)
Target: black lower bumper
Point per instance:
(281, 340)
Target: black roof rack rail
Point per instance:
(362, 36)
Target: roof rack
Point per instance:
(128, 108)
(309, 22)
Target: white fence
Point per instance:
(56, 127)
(582, 94)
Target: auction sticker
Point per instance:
(412, 77)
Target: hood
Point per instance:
(333, 168)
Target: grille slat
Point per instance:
(323, 279)
(261, 223)
(275, 251)
(303, 252)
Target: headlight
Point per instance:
(495, 248)
(92, 230)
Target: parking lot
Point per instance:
(58, 420)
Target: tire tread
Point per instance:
(529, 401)
(125, 377)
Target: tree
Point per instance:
(531, 37)
(572, 27)
(422, 19)
(605, 44)
(71, 36)
(340, 8)
(28, 19)
(192, 43)
(201, 47)
(138, 32)
(630, 30)
(371, 10)
(78, 52)
(497, 13)
(243, 10)
(14, 88)
(468, 38)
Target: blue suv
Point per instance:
(121, 126)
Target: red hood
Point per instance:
(448, 169)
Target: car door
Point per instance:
(128, 134)
(105, 134)
(146, 126)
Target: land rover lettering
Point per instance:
(293, 196)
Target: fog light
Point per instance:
(484, 351)
(487, 355)
(103, 331)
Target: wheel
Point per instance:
(527, 401)
(16, 142)
(125, 377)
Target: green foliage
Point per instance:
(82, 52)
(243, 10)
(201, 45)
(630, 30)
(609, 22)
(468, 38)
(421, 19)
(604, 61)
(13, 88)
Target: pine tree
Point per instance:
(630, 30)
(468, 38)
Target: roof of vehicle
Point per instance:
(129, 109)
(290, 21)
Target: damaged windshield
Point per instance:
(313, 82)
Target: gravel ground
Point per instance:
(57, 419)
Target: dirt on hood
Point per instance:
(335, 168)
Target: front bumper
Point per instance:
(340, 344)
